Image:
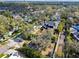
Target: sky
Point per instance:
(39, 0)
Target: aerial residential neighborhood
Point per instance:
(36, 29)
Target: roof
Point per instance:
(73, 30)
(18, 39)
(10, 51)
(76, 35)
(11, 43)
(58, 18)
(76, 26)
(15, 55)
(70, 17)
(48, 24)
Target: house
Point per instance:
(13, 53)
(37, 45)
(76, 26)
(40, 45)
(75, 31)
(76, 35)
(14, 43)
(18, 39)
(27, 19)
(30, 8)
(57, 16)
(56, 23)
(34, 46)
(72, 30)
(17, 16)
(48, 24)
(11, 43)
(70, 17)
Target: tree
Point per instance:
(29, 52)
(6, 13)
(72, 50)
(60, 26)
(53, 39)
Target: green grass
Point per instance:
(1, 55)
(4, 56)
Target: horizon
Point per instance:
(43, 0)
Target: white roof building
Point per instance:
(13, 53)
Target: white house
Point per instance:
(13, 53)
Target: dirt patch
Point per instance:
(47, 50)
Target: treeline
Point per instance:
(13, 4)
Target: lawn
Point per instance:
(4, 56)
(1, 55)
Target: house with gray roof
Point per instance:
(75, 31)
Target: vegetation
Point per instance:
(3, 56)
(37, 14)
(71, 50)
(29, 52)
(69, 38)
(60, 26)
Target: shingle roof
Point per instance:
(76, 27)
(48, 24)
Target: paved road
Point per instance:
(60, 43)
